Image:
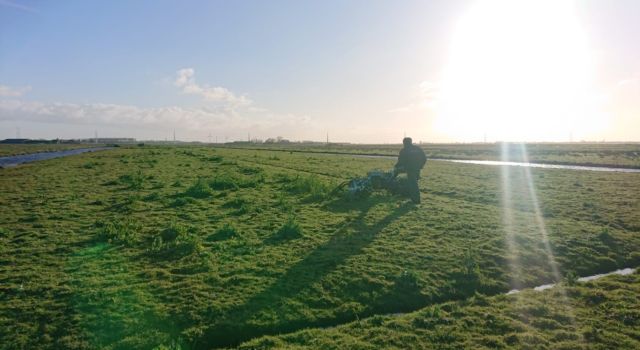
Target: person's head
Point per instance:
(407, 141)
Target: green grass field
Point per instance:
(194, 247)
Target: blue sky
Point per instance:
(364, 71)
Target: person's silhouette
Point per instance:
(411, 160)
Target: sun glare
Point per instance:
(518, 71)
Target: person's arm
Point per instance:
(400, 164)
(423, 158)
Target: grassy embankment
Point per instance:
(588, 154)
(139, 247)
(599, 315)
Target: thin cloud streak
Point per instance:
(17, 6)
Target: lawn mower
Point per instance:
(375, 180)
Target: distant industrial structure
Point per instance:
(107, 140)
(104, 140)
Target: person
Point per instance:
(410, 161)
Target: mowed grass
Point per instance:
(193, 247)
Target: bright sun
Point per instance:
(518, 71)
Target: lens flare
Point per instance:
(515, 68)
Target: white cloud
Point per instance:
(16, 6)
(8, 91)
(185, 80)
(230, 115)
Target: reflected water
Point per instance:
(625, 271)
(12, 161)
(522, 164)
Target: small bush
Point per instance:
(224, 182)
(283, 178)
(290, 230)
(89, 165)
(157, 245)
(181, 201)
(469, 265)
(225, 232)
(605, 236)
(157, 185)
(252, 182)
(189, 244)
(284, 204)
(245, 208)
(571, 278)
(241, 205)
(311, 185)
(176, 240)
(134, 181)
(30, 218)
(152, 197)
(172, 232)
(236, 203)
(246, 170)
(127, 205)
(408, 280)
(200, 189)
(123, 232)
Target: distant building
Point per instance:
(91, 140)
(12, 141)
(108, 140)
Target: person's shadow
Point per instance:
(347, 241)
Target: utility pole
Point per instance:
(249, 137)
(327, 138)
(209, 137)
(174, 135)
(95, 134)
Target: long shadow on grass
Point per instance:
(348, 240)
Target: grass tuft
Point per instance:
(224, 182)
(125, 231)
(176, 241)
(200, 189)
(134, 181)
(312, 186)
(290, 230)
(225, 232)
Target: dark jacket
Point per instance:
(411, 159)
